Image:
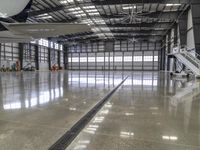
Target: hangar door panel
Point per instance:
(124, 56)
(135, 60)
(83, 61)
(69, 61)
(155, 61)
(107, 61)
(91, 61)
(128, 59)
(75, 61)
(138, 60)
(118, 60)
(148, 60)
(111, 60)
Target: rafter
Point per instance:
(116, 2)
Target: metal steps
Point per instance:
(189, 59)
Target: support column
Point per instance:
(195, 5)
(182, 25)
(22, 97)
(37, 66)
(176, 35)
(172, 41)
(58, 59)
(49, 58)
(162, 56)
(65, 55)
(37, 85)
(168, 40)
(176, 43)
(0, 54)
(1, 95)
(21, 54)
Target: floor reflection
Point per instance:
(30, 90)
(150, 109)
(34, 89)
(149, 106)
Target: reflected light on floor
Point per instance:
(44, 97)
(171, 138)
(126, 134)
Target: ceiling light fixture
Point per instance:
(173, 4)
(129, 7)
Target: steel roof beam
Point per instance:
(139, 32)
(157, 14)
(46, 10)
(116, 2)
(143, 24)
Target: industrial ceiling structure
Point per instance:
(111, 19)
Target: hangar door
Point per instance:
(140, 56)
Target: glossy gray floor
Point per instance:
(36, 109)
(149, 112)
(146, 113)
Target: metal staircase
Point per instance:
(189, 58)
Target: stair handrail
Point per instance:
(192, 56)
(194, 52)
(191, 50)
(195, 55)
(186, 52)
(194, 60)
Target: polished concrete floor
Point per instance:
(37, 108)
(149, 111)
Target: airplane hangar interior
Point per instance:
(99, 75)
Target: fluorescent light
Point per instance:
(129, 7)
(173, 4)
(105, 29)
(80, 15)
(63, 2)
(95, 29)
(93, 14)
(89, 7)
(44, 16)
(78, 12)
(74, 9)
(66, 1)
(91, 10)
